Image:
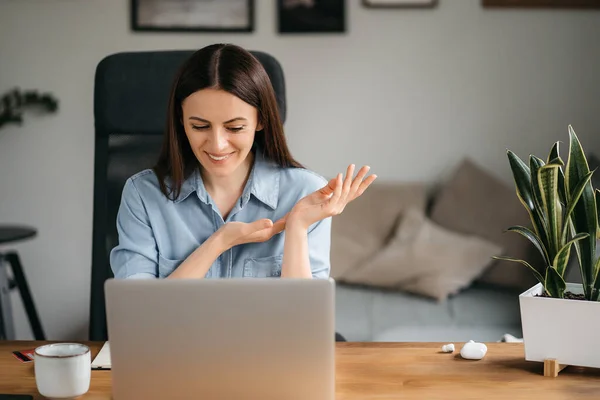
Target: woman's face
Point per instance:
(220, 128)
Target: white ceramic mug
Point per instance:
(62, 370)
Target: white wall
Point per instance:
(409, 92)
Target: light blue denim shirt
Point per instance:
(156, 234)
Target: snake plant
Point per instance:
(563, 209)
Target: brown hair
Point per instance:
(232, 69)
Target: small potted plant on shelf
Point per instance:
(15, 101)
(560, 320)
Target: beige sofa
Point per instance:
(413, 262)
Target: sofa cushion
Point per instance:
(376, 314)
(426, 259)
(368, 222)
(354, 312)
(476, 202)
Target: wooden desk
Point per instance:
(388, 371)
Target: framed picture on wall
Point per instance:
(311, 16)
(399, 3)
(542, 3)
(192, 15)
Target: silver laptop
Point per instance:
(222, 338)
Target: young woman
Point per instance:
(226, 198)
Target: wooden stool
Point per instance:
(10, 234)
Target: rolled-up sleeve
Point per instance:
(319, 244)
(135, 255)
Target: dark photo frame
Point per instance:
(311, 16)
(400, 3)
(541, 3)
(192, 15)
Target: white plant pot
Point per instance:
(565, 330)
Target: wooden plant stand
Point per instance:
(552, 367)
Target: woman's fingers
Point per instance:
(332, 198)
(337, 193)
(279, 225)
(258, 237)
(256, 226)
(347, 182)
(264, 233)
(359, 177)
(329, 188)
(352, 188)
(364, 185)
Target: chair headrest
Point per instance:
(131, 89)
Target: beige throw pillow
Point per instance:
(476, 202)
(426, 259)
(368, 222)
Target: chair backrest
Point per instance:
(131, 92)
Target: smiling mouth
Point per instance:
(219, 157)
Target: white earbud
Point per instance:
(473, 350)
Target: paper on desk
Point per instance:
(102, 360)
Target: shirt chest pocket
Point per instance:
(166, 266)
(264, 267)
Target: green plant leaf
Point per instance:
(562, 258)
(554, 154)
(556, 161)
(598, 212)
(585, 214)
(537, 275)
(522, 179)
(529, 234)
(538, 224)
(562, 188)
(523, 184)
(555, 284)
(574, 198)
(548, 184)
(535, 164)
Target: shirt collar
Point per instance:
(263, 183)
(264, 180)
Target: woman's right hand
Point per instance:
(234, 233)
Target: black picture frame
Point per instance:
(138, 25)
(564, 4)
(400, 4)
(323, 16)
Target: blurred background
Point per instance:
(411, 91)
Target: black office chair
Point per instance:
(131, 92)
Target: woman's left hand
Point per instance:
(331, 199)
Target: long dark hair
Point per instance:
(232, 69)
